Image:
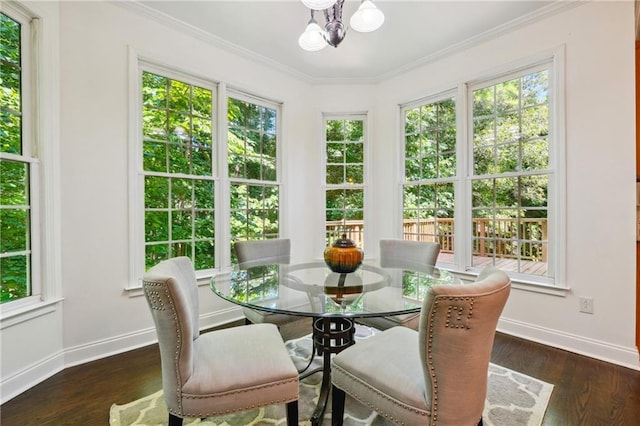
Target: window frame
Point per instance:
(40, 50)
(139, 62)
(454, 180)
(553, 61)
(352, 116)
(242, 96)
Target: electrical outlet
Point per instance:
(586, 305)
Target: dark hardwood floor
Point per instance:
(587, 391)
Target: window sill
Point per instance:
(203, 278)
(22, 312)
(520, 284)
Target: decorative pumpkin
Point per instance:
(343, 256)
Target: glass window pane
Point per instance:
(354, 174)
(14, 178)
(14, 225)
(156, 226)
(204, 195)
(508, 157)
(535, 122)
(204, 255)
(10, 133)
(335, 130)
(202, 101)
(14, 280)
(179, 96)
(154, 90)
(354, 153)
(154, 124)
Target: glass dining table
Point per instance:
(333, 300)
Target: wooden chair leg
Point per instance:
(292, 413)
(337, 406)
(175, 420)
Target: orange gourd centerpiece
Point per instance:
(343, 256)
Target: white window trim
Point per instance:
(42, 100)
(556, 215)
(137, 64)
(244, 96)
(457, 182)
(365, 117)
(144, 61)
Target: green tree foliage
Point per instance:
(252, 162)
(344, 168)
(178, 148)
(14, 175)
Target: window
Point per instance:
(511, 175)
(252, 158)
(18, 165)
(195, 195)
(345, 178)
(492, 168)
(430, 170)
(177, 163)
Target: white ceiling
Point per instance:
(414, 32)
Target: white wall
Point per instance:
(99, 318)
(95, 41)
(598, 40)
(31, 345)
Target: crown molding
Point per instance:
(164, 19)
(552, 8)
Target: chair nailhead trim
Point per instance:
(457, 322)
(159, 300)
(235, 410)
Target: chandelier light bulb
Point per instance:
(312, 38)
(318, 4)
(367, 18)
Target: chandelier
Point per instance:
(366, 19)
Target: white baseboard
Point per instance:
(13, 386)
(23, 380)
(604, 351)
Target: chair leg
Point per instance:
(337, 406)
(175, 420)
(292, 413)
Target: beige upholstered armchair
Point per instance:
(219, 372)
(264, 252)
(437, 375)
(402, 254)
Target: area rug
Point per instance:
(513, 399)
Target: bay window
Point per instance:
(480, 183)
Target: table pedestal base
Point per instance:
(330, 336)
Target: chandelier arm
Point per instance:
(335, 30)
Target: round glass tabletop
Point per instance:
(312, 289)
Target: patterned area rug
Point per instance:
(513, 399)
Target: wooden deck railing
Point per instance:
(491, 237)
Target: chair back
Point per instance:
(171, 291)
(456, 332)
(408, 254)
(263, 252)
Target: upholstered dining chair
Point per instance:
(396, 253)
(218, 372)
(264, 252)
(434, 376)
